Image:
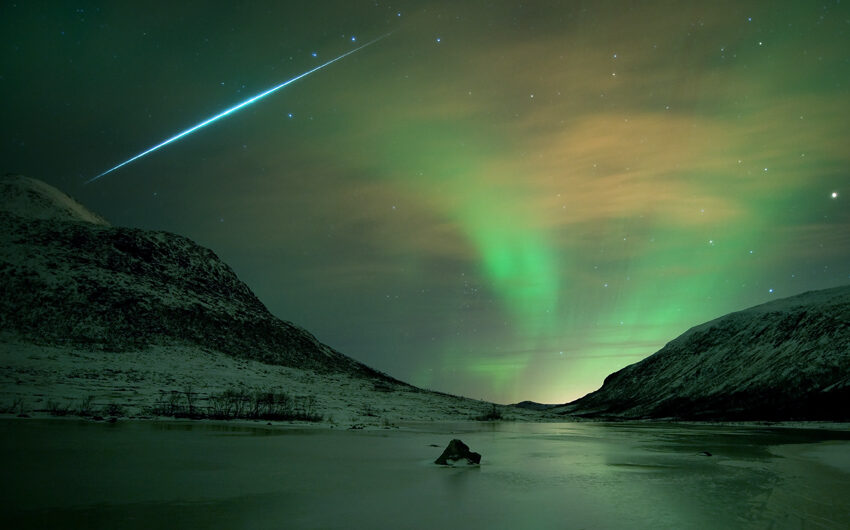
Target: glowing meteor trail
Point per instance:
(232, 110)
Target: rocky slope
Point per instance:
(69, 278)
(783, 360)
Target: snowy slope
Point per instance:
(123, 315)
(787, 359)
(34, 199)
(33, 376)
(69, 278)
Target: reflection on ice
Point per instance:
(139, 475)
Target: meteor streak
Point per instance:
(232, 109)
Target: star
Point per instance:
(834, 195)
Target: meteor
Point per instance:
(233, 109)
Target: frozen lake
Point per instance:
(73, 474)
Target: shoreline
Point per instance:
(376, 424)
(56, 382)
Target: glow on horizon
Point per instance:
(234, 109)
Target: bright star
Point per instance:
(834, 194)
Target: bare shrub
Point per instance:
(493, 414)
(114, 410)
(86, 406)
(55, 409)
(238, 403)
(190, 394)
(16, 407)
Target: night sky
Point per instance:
(502, 200)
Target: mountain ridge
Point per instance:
(785, 359)
(73, 279)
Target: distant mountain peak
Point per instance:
(787, 359)
(33, 199)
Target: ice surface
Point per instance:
(196, 475)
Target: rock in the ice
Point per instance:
(456, 451)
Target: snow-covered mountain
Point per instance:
(95, 317)
(69, 278)
(785, 360)
(34, 199)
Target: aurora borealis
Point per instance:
(501, 200)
